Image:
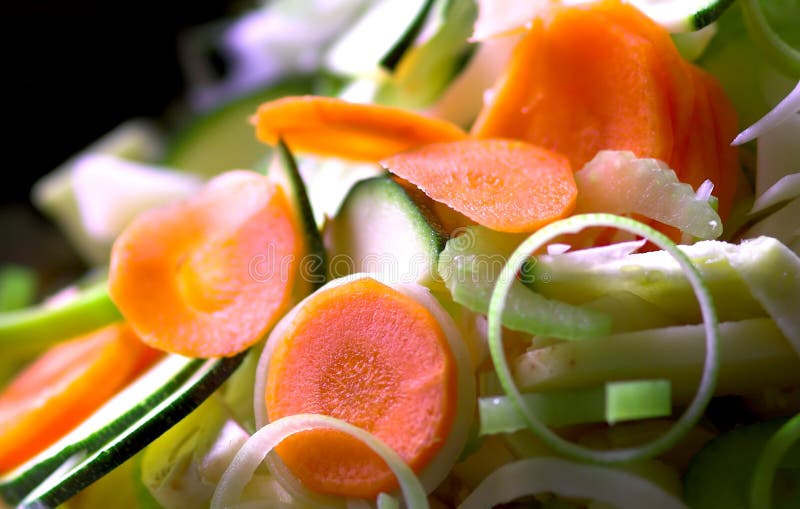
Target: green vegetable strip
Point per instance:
(710, 368)
(469, 266)
(31, 330)
(639, 399)
(753, 355)
(769, 461)
(238, 474)
(616, 401)
(17, 287)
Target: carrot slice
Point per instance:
(64, 386)
(506, 185)
(209, 276)
(579, 85)
(671, 69)
(334, 127)
(376, 358)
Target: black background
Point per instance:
(73, 70)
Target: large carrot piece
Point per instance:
(334, 127)
(579, 85)
(208, 277)
(506, 185)
(376, 358)
(64, 386)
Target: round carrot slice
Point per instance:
(64, 386)
(376, 358)
(506, 185)
(208, 277)
(579, 85)
(334, 127)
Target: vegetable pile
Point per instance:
(474, 254)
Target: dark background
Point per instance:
(73, 70)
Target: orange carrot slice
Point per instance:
(64, 386)
(506, 185)
(579, 85)
(333, 127)
(671, 69)
(208, 277)
(376, 358)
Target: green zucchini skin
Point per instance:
(49, 480)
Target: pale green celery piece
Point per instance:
(427, 67)
(387, 502)
(53, 194)
(237, 391)
(28, 331)
(637, 399)
(613, 402)
(577, 277)
(182, 466)
(469, 267)
(772, 272)
(754, 355)
(17, 287)
(629, 312)
(620, 183)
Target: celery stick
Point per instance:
(17, 287)
(753, 355)
(656, 277)
(616, 401)
(27, 331)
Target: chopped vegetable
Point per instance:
(506, 185)
(333, 127)
(369, 355)
(63, 386)
(576, 97)
(209, 276)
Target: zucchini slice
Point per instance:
(282, 169)
(158, 399)
(381, 229)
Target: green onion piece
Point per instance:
(244, 464)
(614, 402)
(616, 488)
(769, 461)
(708, 380)
(28, 331)
(637, 399)
(17, 287)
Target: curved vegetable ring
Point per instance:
(256, 448)
(769, 461)
(695, 410)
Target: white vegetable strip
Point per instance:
(785, 189)
(784, 109)
(253, 452)
(778, 154)
(567, 479)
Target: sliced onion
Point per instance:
(708, 380)
(567, 479)
(253, 452)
